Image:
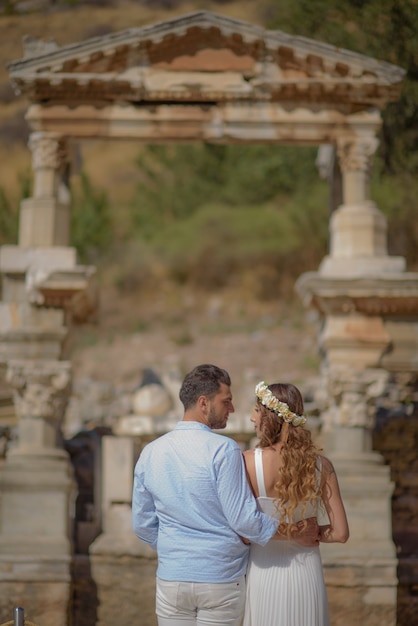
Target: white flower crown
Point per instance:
(269, 400)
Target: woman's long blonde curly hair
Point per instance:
(297, 481)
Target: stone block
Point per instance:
(118, 455)
(348, 608)
(41, 586)
(44, 222)
(132, 602)
(36, 496)
(358, 230)
(19, 259)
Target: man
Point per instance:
(192, 503)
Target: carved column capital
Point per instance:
(49, 151)
(50, 163)
(353, 395)
(356, 154)
(41, 388)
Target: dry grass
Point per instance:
(171, 326)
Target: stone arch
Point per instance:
(204, 77)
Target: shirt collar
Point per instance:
(184, 425)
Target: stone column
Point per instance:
(37, 480)
(38, 493)
(359, 291)
(43, 290)
(45, 217)
(358, 228)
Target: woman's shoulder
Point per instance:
(325, 464)
(252, 452)
(249, 457)
(248, 454)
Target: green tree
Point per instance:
(9, 210)
(8, 220)
(384, 29)
(193, 201)
(178, 179)
(91, 230)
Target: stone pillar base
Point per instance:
(36, 493)
(361, 266)
(132, 602)
(361, 593)
(361, 575)
(41, 586)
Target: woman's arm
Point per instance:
(337, 529)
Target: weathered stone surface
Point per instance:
(188, 58)
(349, 607)
(151, 400)
(43, 603)
(396, 437)
(131, 601)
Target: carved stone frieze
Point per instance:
(41, 388)
(104, 69)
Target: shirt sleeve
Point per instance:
(237, 500)
(144, 517)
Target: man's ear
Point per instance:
(202, 403)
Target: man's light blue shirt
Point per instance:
(191, 502)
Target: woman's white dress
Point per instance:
(285, 581)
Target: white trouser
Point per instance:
(200, 604)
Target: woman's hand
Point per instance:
(245, 540)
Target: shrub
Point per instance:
(91, 229)
(211, 248)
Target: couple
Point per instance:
(226, 557)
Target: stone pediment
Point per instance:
(202, 57)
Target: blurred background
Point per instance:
(196, 243)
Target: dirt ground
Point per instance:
(175, 328)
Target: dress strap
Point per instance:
(259, 474)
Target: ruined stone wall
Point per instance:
(396, 438)
(113, 591)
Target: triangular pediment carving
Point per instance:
(202, 57)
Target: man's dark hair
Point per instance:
(203, 380)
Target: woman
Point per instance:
(290, 479)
